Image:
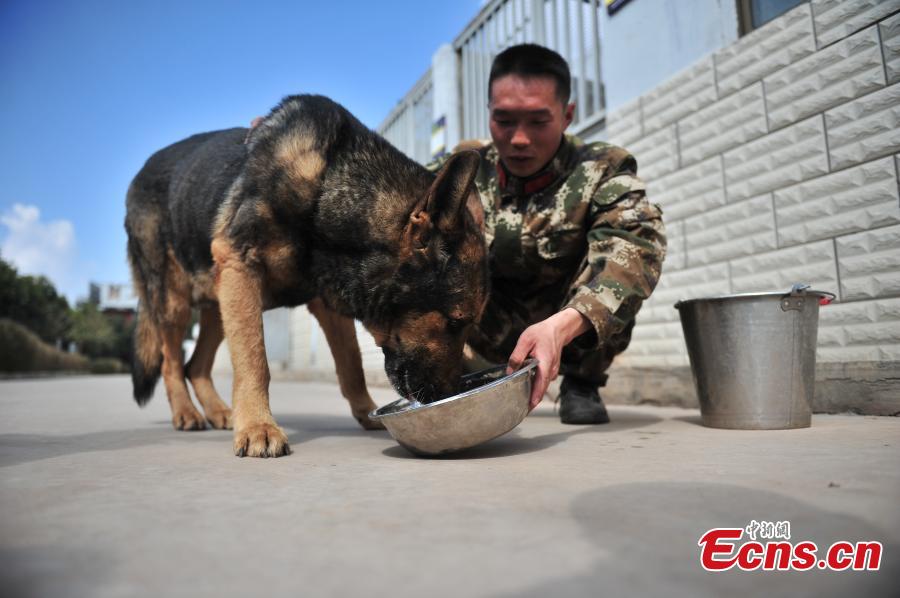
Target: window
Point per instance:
(753, 14)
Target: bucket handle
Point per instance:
(826, 297)
(794, 300)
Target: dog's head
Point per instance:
(440, 285)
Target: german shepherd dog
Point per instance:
(309, 207)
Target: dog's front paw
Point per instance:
(188, 419)
(260, 440)
(366, 422)
(220, 419)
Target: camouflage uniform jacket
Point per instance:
(578, 234)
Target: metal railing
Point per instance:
(571, 27)
(408, 126)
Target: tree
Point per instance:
(33, 302)
(94, 334)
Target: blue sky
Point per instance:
(89, 89)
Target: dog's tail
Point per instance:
(147, 361)
(146, 256)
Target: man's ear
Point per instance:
(568, 115)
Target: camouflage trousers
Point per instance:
(493, 340)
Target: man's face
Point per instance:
(527, 122)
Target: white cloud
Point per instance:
(42, 248)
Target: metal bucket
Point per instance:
(753, 357)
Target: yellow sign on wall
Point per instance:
(614, 5)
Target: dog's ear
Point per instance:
(449, 193)
(476, 209)
(445, 202)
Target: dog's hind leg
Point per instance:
(184, 415)
(341, 335)
(199, 369)
(174, 326)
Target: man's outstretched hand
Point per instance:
(545, 341)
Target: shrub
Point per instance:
(107, 365)
(23, 351)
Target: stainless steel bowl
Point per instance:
(489, 406)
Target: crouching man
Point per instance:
(575, 247)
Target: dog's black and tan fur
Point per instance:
(314, 208)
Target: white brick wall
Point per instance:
(776, 160)
(847, 201)
(680, 96)
(787, 173)
(869, 264)
(842, 72)
(739, 229)
(658, 153)
(658, 310)
(890, 41)
(836, 19)
(705, 281)
(625, 125)
(864, 129)
(676, 248)
(813, 264)
(686, 191)
(779, 43)
(739, 118)
(860, 331)
(656, 344)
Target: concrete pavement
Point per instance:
(100, 498)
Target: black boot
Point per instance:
(580, 403)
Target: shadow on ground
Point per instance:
(690, 419)
(633, 525)
(514, 443)
(47, 570)
(304, 427)
(16, 449)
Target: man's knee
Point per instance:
(590, 364)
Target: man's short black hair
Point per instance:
(532, 60)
